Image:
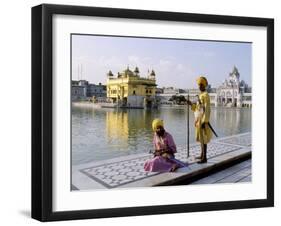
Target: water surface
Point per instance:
(99, 134)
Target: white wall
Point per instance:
(15, 119)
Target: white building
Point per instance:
(234, 92)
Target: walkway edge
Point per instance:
(194, 170)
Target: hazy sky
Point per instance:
(176, 62)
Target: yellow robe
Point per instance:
(202, 113)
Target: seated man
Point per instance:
(164, 150)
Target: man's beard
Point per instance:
(160, 133)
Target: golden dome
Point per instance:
(128, 72)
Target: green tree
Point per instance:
(178, 99)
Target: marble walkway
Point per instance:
(128, 171)
(240, 172)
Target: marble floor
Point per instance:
(128, 170)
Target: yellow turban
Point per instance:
(156, 123)
(202, 80)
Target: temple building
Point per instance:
(129, 89)
(234, 92)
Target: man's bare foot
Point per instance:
(202, 161)
(174, 168)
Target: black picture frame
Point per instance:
(42, 107)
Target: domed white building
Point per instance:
(234, 92)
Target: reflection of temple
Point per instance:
(233, 92)
(117, 125)
(131, 90)
(127, 125)
(231, 120)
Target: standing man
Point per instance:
(202, 110)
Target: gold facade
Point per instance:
(129, 83)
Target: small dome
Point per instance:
(152, 73)
(136, 70)
(235, 72)
(109, 73)
(128, 72)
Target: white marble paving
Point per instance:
(123, 171)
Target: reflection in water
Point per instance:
(99, 134)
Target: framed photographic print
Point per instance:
(139, 112)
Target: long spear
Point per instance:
(187, 124)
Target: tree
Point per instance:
(178, 99)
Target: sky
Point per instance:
(176, 62)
